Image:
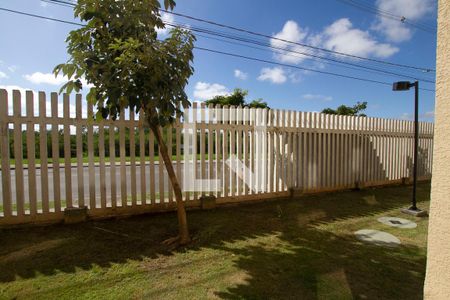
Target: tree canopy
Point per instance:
(355, 110)
(237, 98)
(119, 53)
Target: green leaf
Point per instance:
(169, 4)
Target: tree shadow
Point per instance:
(315, 260)
(321, 264)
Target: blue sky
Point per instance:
(32, 47)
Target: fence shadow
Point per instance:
(372, 167)
(315, 256)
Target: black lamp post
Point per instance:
(405, 86)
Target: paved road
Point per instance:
(74, 176)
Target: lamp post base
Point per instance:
(414, 212)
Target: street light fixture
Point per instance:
(405, 86)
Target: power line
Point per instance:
(406, 20)
(279, 52)
(70, 3)
(297, 43)
(265, 44)
(39, 16)
(282, 40)
(386, 14)
(317, 57)
(227, 53)
(286, 54)
(57, 3)
(297, 67)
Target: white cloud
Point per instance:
(206, 91)
(342, 37)
(50, 79)
(45, 78)
(317, 97)
(3, 75)
(165, 17)
(240, 74)
(43, 4)
(294, 33)
(275, 75)
(411, 10)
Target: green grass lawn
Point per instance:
(12, 162)
(301, 248)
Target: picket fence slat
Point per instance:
(132, 132)
(142, 157)
(67, 152)
(238, 133)
(90, 146)
(18, 154)
(161, 168)
(219, 150)
(80, 167)
(5, 156)
(225, 168)
(210, 149)
(112, 165)
(43, 150)
(178, 146)
(101, 154)
(151, 149)
(202, 148)
(55, 155)
(122, 153)
(232, 114)
(31, 155)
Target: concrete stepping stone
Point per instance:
(397, 222)
(376, 237)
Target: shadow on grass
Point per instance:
(311, 261)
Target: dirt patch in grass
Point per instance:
(298, 248)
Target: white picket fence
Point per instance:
(309, 152)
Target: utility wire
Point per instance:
(227, 53)
(60, 2)
(297, 67)
(57, 3)
(40, 17)
(265, 44)
(292, 55)
(299, 44)
(386, 14)
(316, 57)
(280, 39)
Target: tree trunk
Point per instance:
(184, 237)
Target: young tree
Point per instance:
(355, 110)
(118, 52)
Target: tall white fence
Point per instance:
(309, 152)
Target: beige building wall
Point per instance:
(437, 282)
